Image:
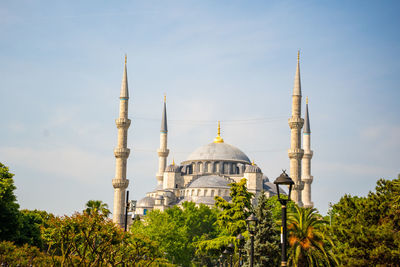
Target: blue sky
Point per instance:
(61, 67)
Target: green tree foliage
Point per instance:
(231, 220)
(266, 238)
(92, 240)
(30, 223)
(97, 207)
(310, 244)
(9, 214)
(366, 229)
(177, 230)
(26, 255)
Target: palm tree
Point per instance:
(97, 207)
(309, 244)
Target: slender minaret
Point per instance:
(163, 151)
(295, 151)
(306, 167)
(121, 152)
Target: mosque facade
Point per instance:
(208, 170)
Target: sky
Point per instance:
(61, 65)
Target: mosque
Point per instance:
(208, 171)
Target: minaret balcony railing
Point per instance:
(120, 183)
(308, 154)
(307, 180)
(123, 123)
(163, 152)
(122, 152)
(296, 123)
(296, 153)
(299, 185)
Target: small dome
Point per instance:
(202, 200)
(145, 202)
(252, 169)
(173, 168)
(218, 151)
(210, 181)
(271, 187)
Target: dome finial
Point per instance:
(165, 97)
(298, 56)
(252, 162)
(126, 58)
(219, 139)
(307, 100)
(173, 161)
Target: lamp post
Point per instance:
(226, 253)
(231, 249)
(221, 260)
(240, 239)
(251, 225)
(283, 179)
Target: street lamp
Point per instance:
(283, 179)
(251, 225)
(226, 253)
(231, 249)
(240, 239)
(221, 260)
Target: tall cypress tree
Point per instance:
(9, 213)
(266, 238)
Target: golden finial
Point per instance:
(173, 161)
(125, 58)
(165, 98)
(219, 139)
(307, 100)
(298, 56)
(252, 163)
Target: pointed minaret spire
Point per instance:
(295, 152)
(219, 139)
(306, 176)
(306, 129)
(163, 151)
(121, 152)
(124, 86)
(297, 82)
(164, 126)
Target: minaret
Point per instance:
(163, 151)
(121, 152)
(306, 167)
(295, 151)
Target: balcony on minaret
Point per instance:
(123, 123)
(296, 123)
(122, 152)
(120, 183)
(163, 152)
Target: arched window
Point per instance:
(212, 193)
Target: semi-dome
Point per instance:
(145, 202)
(210, 181)
(218, 151)
(252, 169)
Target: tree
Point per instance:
(29, 229)
(97, 207)
(177, 230)
(9, 214)
(93, 240)
(231, 220)
(266, 238)
(309, 244)
(367, 229)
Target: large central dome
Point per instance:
(218, 151)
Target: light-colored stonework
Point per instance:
(207, 171)
(121, 152)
